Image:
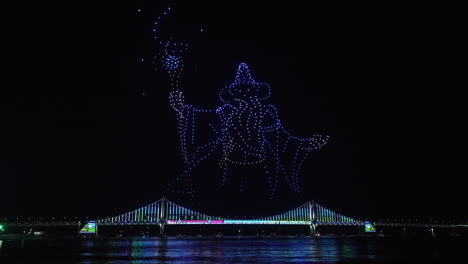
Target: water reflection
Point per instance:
(226, 250)
(195, 250)
(349, 249)
(136, 251)
(205, 250)
(325, 249)
(161, 250)
(88, 246)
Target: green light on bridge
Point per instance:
(1, 227)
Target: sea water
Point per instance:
(332, 249)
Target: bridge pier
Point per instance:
(313, 229)
(161, 229)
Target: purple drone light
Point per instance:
(248, 132)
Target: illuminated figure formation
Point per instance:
(243, 131)
(246, 129)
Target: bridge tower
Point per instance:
(312, 218)
(162, 216)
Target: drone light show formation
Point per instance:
(244, 130)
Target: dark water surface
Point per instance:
(236, 250)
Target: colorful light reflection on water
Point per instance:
(232, 250)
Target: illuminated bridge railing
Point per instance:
(167, 212)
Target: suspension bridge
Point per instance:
(164, 212)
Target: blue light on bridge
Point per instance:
(368, 227)
(89, 228)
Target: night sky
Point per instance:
(87, 129)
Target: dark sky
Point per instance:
(87, 129)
